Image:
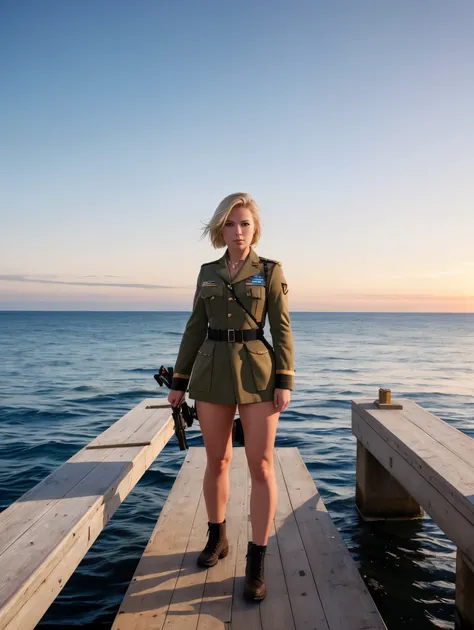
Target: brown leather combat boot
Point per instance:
(217, 545)
(254, 587)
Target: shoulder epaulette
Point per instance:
(270, 260)
(213, 262)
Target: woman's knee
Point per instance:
(219, 465)
(261, 470)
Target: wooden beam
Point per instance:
(455, 525)
(64, 515)
(441, 458)
(379, 496)
(136, 428)
(464, 593)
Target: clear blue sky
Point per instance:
(123, 124)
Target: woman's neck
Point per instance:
(236, 256)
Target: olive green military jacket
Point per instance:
(231, 372)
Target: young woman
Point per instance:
(227, 362)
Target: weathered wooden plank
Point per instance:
(37, 602)
(33, 555)
(460, 444)
(36, 566)
(148, 597)
(345, 599)
(216, 607)
(245, 615)
(453, 477)
(183, 611)
(307, 610)
(135, 428)
(458, 528)
(275, 610)
(17, 518)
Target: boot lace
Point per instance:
(213, 540)
(256, 565)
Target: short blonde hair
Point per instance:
(213, 229)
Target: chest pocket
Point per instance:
(257, 295)
(255, 301)
(212, 296)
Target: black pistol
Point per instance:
(183, 415)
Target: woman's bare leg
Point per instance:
(216, 426)
(259, 421)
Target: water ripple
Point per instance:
(85, 370)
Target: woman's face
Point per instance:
(239, 229)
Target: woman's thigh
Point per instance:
(259, 421)
(216, 423)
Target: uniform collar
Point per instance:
(249, 268)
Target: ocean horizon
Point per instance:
(164, 310)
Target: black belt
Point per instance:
(239, 336)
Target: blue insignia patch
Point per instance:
(257, 280)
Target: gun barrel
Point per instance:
(179, 428)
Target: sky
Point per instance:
(123, 124)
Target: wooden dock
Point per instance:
(45, 533)
(409, 461)
(312, 580)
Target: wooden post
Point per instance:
(379, 496)
(464, 593)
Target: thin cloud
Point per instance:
(411, 297)
(124, 285)
(426, 276)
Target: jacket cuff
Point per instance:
(284, 379)
(180, 382)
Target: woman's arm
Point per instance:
(193, 337)
(279, 318)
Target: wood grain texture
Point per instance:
(312, 581)
(47, 532)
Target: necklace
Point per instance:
(232, 267)
(236, 264)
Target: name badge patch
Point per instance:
(208, 283)
(258, 280)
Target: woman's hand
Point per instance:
(281, 398)
(175, 397)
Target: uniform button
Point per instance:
(229, 315)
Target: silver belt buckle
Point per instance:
(229, 339)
